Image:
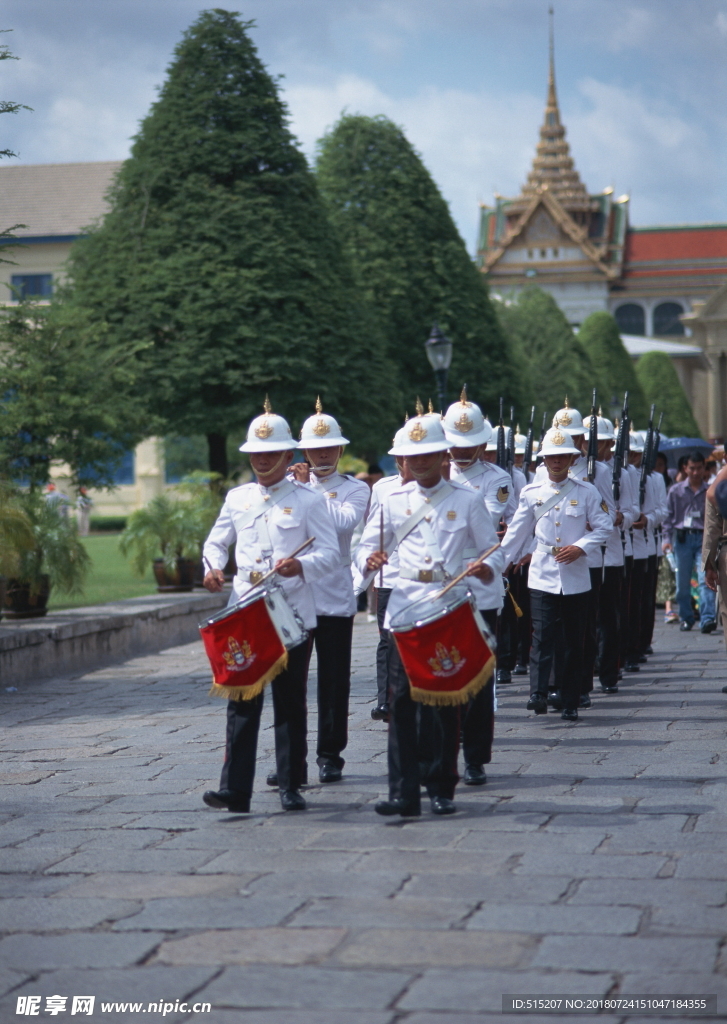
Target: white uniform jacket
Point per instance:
(378, 492)
(347, 500)
(436, 548)
(292, 513)
(490, 595)
(628, 504)
(613, 554)
(641, 539)
(493, 484)
(563, 524)
(662, 510)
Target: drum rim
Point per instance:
(256, 594)
(440, 610)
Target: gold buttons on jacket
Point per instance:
(428, 559)
(557, 523)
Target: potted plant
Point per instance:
(166, 535)
(56, 558)
(205, 494)
(16, 536)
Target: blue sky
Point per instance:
(642, 86)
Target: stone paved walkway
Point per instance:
(594, 861)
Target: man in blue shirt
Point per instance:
(683, 532)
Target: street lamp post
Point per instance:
(439, 353)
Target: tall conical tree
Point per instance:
(218, 253)
(660, 383)
(599, 336)
(544, 343)
(409, 259)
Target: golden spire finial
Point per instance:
(463, 396)
(600, 411)
(406, 417)
(267, 407)
(566, 406)
(517, 429)
(431, 407)
(419, 407)
(319, 407)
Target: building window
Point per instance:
(31, 286)
(556, 254)
(530, 254)
(631, 319)
(543, 253)
(666, 319)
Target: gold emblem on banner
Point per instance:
(417, 432)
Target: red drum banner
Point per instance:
(447, 660)
(244, 650)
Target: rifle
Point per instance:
(618, 459)
(528, 447)
(593, 442)
(542, 435)
(510, 448)
(655, 446)
(501, 449)
(646, 458)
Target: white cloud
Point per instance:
(720, 23)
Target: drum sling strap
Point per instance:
(540, 510)
(418, 518)
(244, 519)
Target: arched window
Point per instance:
(666, 318)
(631, 319)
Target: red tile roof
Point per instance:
(688, 243)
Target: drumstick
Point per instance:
(381, 545)
(458, 579)
(305, 544)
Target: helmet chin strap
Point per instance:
(263, 476)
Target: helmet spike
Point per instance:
(463, 396)
(431, 407)
(267, 407)
(319, 406)
(419, 407)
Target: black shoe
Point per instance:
(631, 666)
(585, 701)
(503, 677)
(649, 650)
(708, 626)
(554, 701)
(569, 715)
(235, 802)
(521, 670)
(380, 713)
(329, 773)
(643, 659)
(474, 775)
(443, 805)
(401, 807)
(685, 627)
(538, 704)
(291, 800)
(609, 689)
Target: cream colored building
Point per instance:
(55, 203)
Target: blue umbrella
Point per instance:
(675, 447)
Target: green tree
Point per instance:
(68, 396)
(544, 343)
(7, 237)
(660, 383)
(218, 252)
(599, 336)
(409, 260)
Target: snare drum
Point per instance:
(248, 643)
(446, 648)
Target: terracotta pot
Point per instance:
(19, 603)
(182, 579)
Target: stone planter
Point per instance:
(20, 603)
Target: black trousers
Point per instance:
(382, 651)
(418, 732)
(609, 617)
(333, 637)
(625, 623)
(639, 575)
(478, 721)
(590, 640)
(557, 617)
(649, 612)
(290, 726)
(513, 633)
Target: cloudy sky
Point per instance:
(642, 85)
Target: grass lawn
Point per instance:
(110, 577)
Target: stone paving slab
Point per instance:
(592, 862)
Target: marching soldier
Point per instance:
(267, 520)
(646, 521)
(432, 523)
(347, 499)
(564, 516)
(466, 429)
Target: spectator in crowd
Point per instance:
(83, 512)
(57, 498)
(714, 547)
(666, 585)
(683, 534)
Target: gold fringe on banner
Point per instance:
(249, 692)
(437, 698)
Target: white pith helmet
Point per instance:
(321, 431)
(464, 425)
(520, 441)
(604, 428)
(268, 433)
(569, 418)
(637, 441)
(558, 442)
(494, 435)
(419, 436)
